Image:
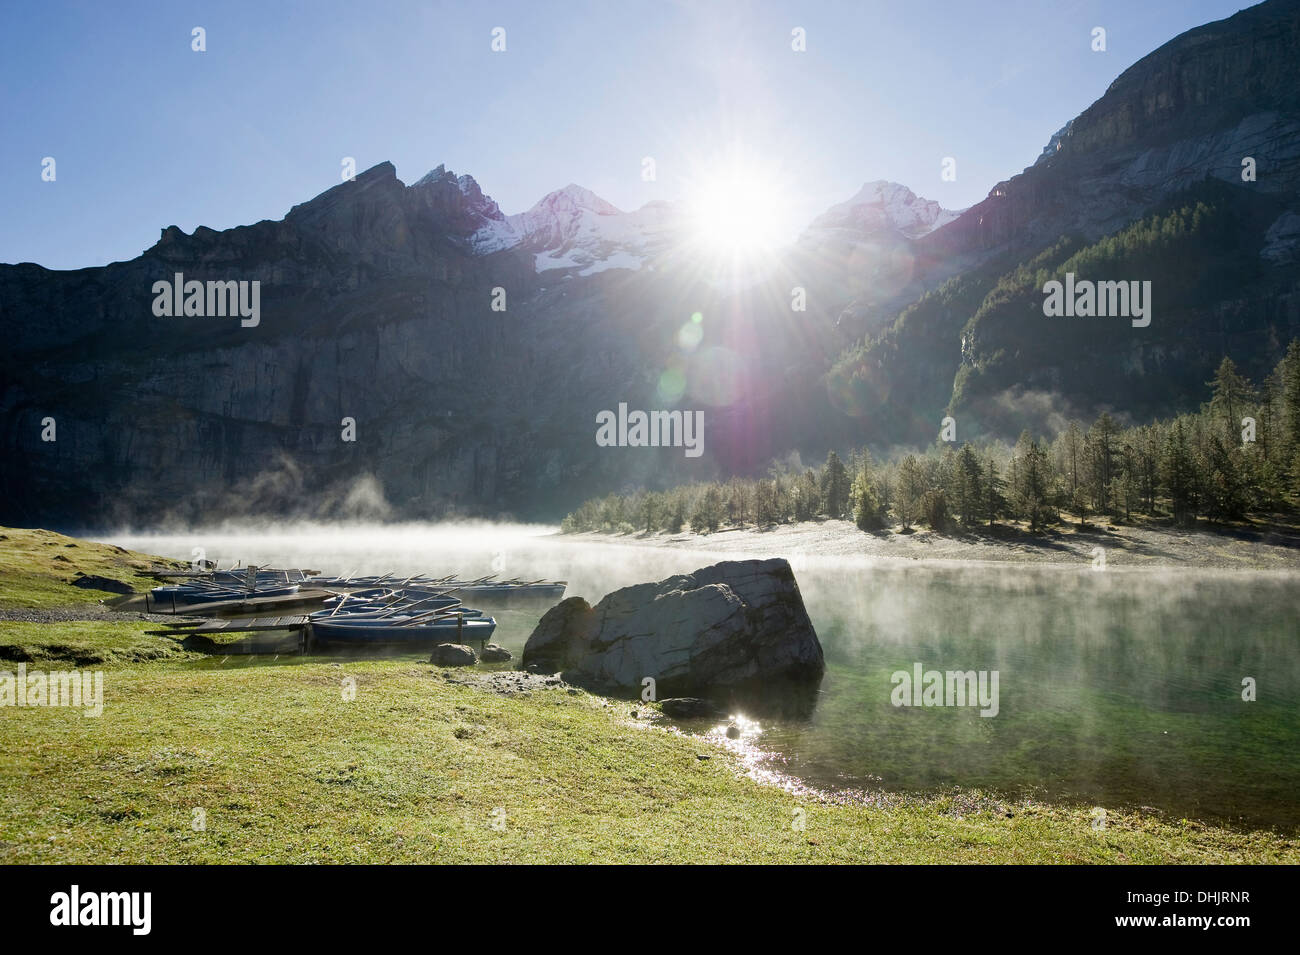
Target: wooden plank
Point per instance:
(251, 624)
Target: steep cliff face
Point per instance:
(470, 364)
(1194, 108)
(373, 307)
(1173, 129)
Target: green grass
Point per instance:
(416, 769)
(36, 567)
(84, 643)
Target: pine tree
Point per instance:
(707, 516)
(676, 512)
(651, 506)
(1232, 392)
(1073, 447)
(835, 486)
(807, 496)
(866, 502)
(1178, 474)
(765, 506)
(1225, 496)
(1128, 480)
(968, 480)
(1101, 445)
(993, 484)
(1033, 483)
(911, 488)
(1288, 374)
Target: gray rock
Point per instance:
(453, 655)
(733, 625)
(688, 707)
(107, 584)
(495, 653)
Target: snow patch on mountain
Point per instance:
(882, 206)
(575, 228)
(569, 229)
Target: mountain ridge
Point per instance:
(377, 305)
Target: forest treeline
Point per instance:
(1238, 455)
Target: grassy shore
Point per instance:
(282, 762)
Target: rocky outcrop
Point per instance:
(376, 305)
(495, 653)
(453, 655)
(1188, 111)
(732, 626)
(106, 584)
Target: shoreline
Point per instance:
(449, 751)
(1128, 547)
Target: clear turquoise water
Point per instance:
(1116, 688)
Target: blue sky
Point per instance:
(147, 133)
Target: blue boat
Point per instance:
(174, 597)
(506, 590)
(405, 631)
(484, 588)
(379, 609)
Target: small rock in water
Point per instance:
(453, 655)
(687, 707)
(494, 653)
(733, 731)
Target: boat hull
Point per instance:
(361, 633)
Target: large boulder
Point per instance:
(734, 625)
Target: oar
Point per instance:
(397, 608)
(342, 599)
(442, 612)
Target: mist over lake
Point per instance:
(1121, 687)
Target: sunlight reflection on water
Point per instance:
(1117, 688)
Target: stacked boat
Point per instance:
(482, 590)
(223, 587)
(401, 616)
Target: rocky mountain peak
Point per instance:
(883, 207)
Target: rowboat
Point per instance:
(381, 609)
(399, 630)
(505, 589)
(553, 590)
(185, 595)
(484, 588)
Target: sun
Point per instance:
(735, 211)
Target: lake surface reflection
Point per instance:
(1116, 688)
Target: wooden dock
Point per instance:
(303, 598)
(249, 624)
